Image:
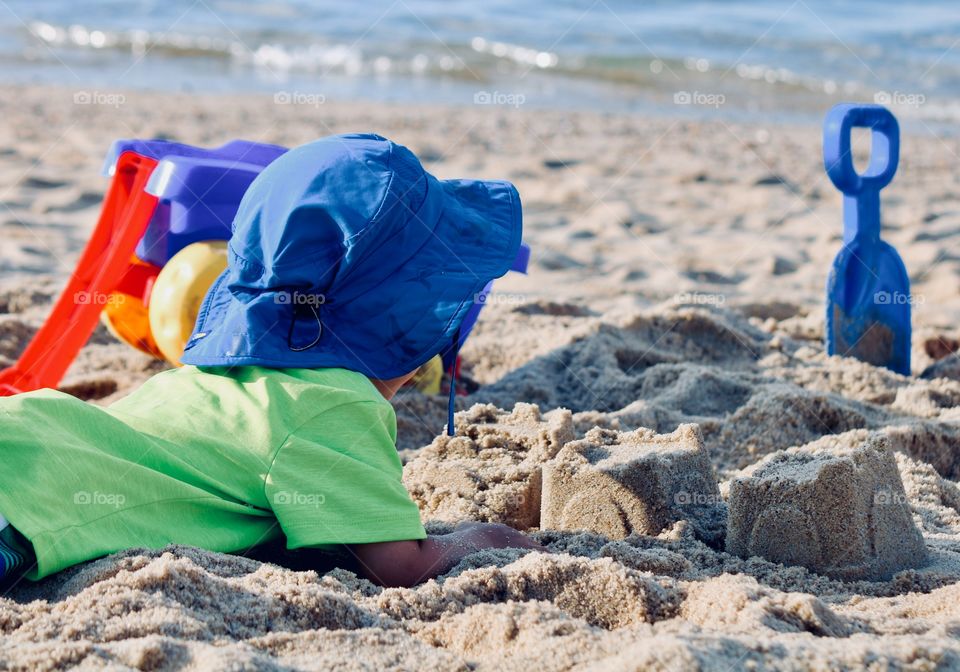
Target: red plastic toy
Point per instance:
(103, 267)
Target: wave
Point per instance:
(483, 60)
(479, 55)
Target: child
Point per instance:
(349, 267)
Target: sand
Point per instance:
(677, 279)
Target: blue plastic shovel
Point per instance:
(868, 291)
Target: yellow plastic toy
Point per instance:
(428, 377)
(178, 292)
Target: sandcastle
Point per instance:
(839, 511)
(622, 483)
(490, 471)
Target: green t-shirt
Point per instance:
(224, 459)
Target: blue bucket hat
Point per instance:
(346, 253)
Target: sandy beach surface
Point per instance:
(676, 280)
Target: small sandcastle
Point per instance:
(492, 469)
(841, 512)
(622, 483)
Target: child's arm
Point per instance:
(407, 563)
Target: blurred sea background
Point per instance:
(742, 59)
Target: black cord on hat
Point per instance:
(298, 310)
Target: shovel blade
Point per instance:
(868, 306)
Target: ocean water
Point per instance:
(734, 59)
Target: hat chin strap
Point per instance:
(297, 310)
(453, 384)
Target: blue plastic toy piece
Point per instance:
(868, 290)
(199, 190)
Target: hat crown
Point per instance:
(317, 208)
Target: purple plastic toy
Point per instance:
(199, 190)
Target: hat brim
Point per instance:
(391, 328)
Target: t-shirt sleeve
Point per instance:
(337, 480)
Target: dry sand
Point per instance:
(677, 279)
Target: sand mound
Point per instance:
(606, 369)
(739, 604)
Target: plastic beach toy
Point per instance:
(103, 264)
(158, 245)
(868, 290)
(162, 196)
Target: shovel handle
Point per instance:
(884, 153)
